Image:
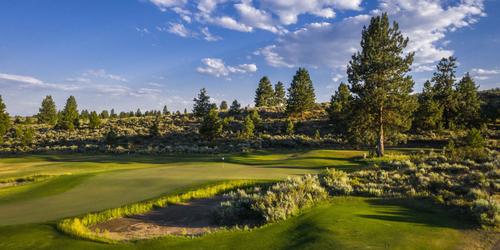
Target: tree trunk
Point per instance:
(380, 148)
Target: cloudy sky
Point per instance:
(148, 53)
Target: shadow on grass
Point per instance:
(419, 211)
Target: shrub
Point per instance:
(336, 182)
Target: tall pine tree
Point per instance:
(202, 104)
(235, 108)
(444, 82)
(301, 95)
(339, 110)
(68, 118)
(381, 86)
(48, 112)
(279, 94)
(429, 113)
(468, 103)
(264, 95)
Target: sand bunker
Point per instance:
(190, 218)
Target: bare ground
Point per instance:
(191, 218)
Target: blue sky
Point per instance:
(148, 53)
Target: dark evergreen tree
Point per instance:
(301, 95)
(254, 114)
(264, 95)
(429, 113)
(104, 114)
(69, 115)
(94, 120)
(202, 105)
(113, 114)
(235, 108)
(211, 125)
(111, 137)
(165, 110)
(469, 104)
(381, 86)
(248, 127)
(4, 119)
(444, 83)
(223, 106)
(279, 95)
(490, 105)
(84, 115)
(48, 112)
(138, 113)
(340, 109)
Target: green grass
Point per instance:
(91, 183)
(344, 223)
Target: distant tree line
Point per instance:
(375, 106)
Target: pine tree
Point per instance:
(223, 106)
(444, 83)
(48, 112)
(380, 84)
(165, 110)
(254, 115)
(69, 116)
(340, 108)
(264, 94)
(211, 125)
(468, 103)
(202, 105)
(94, 120)
(429, 113)
(235, 108)
(279, 95)
(301, 95)
(113, 114)
(104, 114)
(248, 127)
(4, 119)
(138, 113)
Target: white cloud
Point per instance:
(425, 22)
(216, 67)
(34, 82)
(229, 23)
(270, 15)
(101, 73)
(484, 74)
(178, 29)
(209, 36)
(254, 17)
(165, 4)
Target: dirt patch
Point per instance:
(191, 218)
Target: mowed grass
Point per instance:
(93, 183)
(28, 213)
(343, 223)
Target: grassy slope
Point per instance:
(345, 223)
(98, 182)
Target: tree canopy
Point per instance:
(202, 104)
(301, 95)
(48, 112)
(264, 95)
(379, 80)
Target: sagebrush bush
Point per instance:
(336, 182)
(279, 202)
